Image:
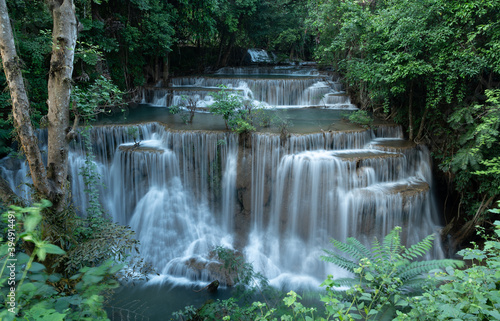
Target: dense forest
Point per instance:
(432, 66)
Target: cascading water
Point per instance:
(270, 87)
(278, 199)
(315, 187)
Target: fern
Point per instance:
(352, 248)
(386, 271)
(415, 269)
(419, 249)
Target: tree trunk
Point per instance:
(410, 112)
(227, 53)
(64, 35)
(221, 46)
(421, 128)
(20, 103)
(156, 72)
(52, 183)
(166, 68)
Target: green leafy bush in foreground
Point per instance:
(383, 275)
(470, 294)
(28, 291)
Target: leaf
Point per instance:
(52, 249)
(27, 288)
(36, 267)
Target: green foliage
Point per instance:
(226, 103)
(477, 146)
(91, 178)
(279, 26)
(384, 274)
(29, 290)
(470, 294)
(133, 131)
(189, 104)
(95, 239)
(430, 65)
(361, 117)
(243, 116)
(96, 98)
(241, 274)
(453, 294)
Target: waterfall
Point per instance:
(272, 87)
(259, 56)
(338, 185)
(277, 199)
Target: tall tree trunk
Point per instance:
(156, 72)
(52, 183)
(422, 123)
(20, 103)
(64, 36)
(221, 46)
(166, 69)
(410, 112)
(227, 53)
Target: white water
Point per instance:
(277, 201)
(269, 87)
(259, 56)
(181, 193)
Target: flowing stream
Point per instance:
(276, 199)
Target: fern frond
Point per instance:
(418, 268)
(396, 246)
(416, 284)
(390, 245)
(352, 248)
(340, 261)
(346, 282)
(363, 251)
(377, 250)
(419, 249)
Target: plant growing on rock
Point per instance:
(361, 117)
(190, 104)
(134, 132)
(226, 104)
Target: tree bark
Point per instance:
(227, 53)
(51, 183)
(64, 35)
(410, 112)
(156, 72)
(166, 67)
(20, 103)
(422, 125)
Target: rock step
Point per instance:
(151, 146)
(363, 154)
(412, 187)
(392, 145)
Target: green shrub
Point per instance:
(30, 291)
(383, 275)
(361, 117)
(470, 294)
